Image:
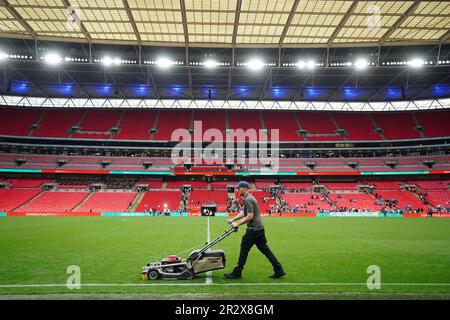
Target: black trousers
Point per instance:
(257, 238)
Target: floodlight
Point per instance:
(361, 64)
(210, 64)
(255, 64)
(52, 58)
(416, 62)
(164, 62)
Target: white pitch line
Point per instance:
(274, 284)
(208, 280)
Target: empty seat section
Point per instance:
(439, 198)
(351, 201)
(108, 202)
(318, 123)
(197, 198)
(99, 122)
(156, 183)
(305, 200)
(245, 120)
(136, 125)
(357, 125)
(340, 185)
(263, 184)
(56, 123)
(435, 123)
(284, 122)
(405, 198)
(396, 125)
(169, 121)
(157, 199)
(430, 184)
(222, 184)
(211, 120)
(385, 185)
(55, 202)
(264, 201)
(193, 183)
(10, 199)
(27, 183)
(18, 122)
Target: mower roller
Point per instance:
(199, 261)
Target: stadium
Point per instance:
(126, 125)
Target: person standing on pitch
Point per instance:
(254, 234)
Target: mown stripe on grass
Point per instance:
(223, 284)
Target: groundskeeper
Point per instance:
(254, 235)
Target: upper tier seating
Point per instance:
(98, 128)
(396, 125)
(435, 123)
(18, 121)
(56, 123)
(11, 199)
(107, 202)
(156, 199)
(244, 120)
(169, 121)
(357, 125)
(55, 202)
(136, 125)
(284, 122)
(210, 120)
(318, 123)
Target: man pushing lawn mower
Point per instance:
(254, 234)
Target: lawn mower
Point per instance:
(199, 261)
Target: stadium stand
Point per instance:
(11, 199)
(244, 120)
(351, 201)
(435, 123)
(195, 184)
(107, 202)
(288, 131)
(340, 185)
(439, 198)
(197, 198)
(169, 121)
(357, 125)
(56, 123)
(211, 120)
(27, 183)
(405, 198)
(319, 126)
(390, 123)
(306, 203)
(157, 199)
(23, 120)
(264, 200)
(54, 202)
(136, 125)
(152, 183)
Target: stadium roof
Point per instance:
(228, 23)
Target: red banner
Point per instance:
(53, 214)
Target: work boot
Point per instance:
(278, 274)
(236, 274)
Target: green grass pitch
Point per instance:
(323, 257)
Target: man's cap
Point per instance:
(243, 184)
